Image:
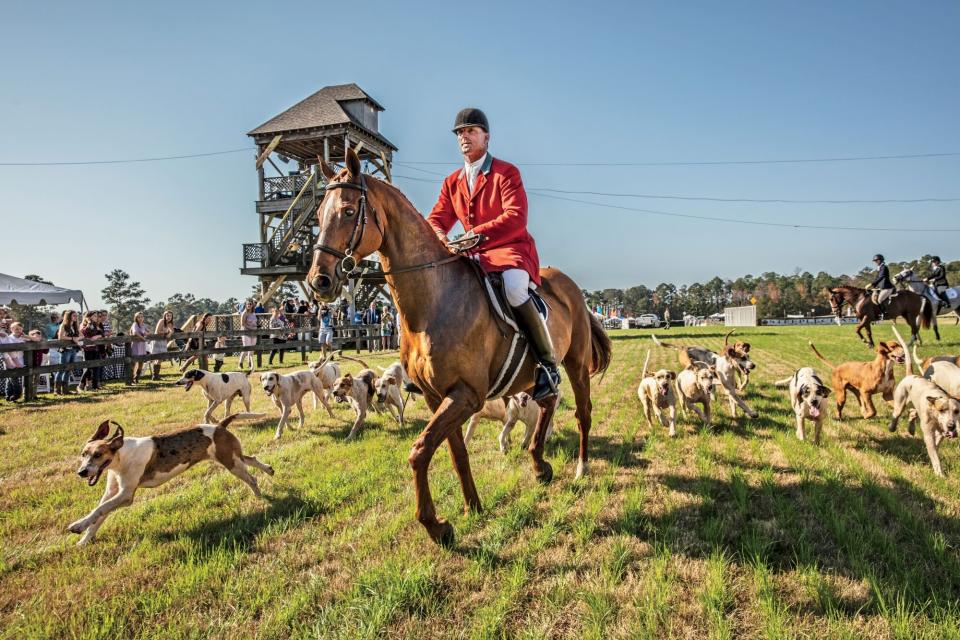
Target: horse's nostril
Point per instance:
(321, 283)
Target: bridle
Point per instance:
(348, 263)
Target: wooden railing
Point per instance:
(282, 187)
(355, 334)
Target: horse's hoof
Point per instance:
(444, 536)
(545, 475)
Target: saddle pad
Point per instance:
(498, 298)
(493, 283)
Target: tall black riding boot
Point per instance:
(532, 325)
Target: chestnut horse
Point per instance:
(906, 304)
(452, 344)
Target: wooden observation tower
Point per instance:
(322, 125)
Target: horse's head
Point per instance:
(349, 229)
(837, 298)
(904, 276)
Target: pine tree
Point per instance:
(124, 297)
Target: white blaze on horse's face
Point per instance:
(337, 219)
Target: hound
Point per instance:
(938, 412)
(509, 410)
(865, 378)
(218, 388)
(695, 385)
(728, 363)
(738, 351)
(327, 371)
(807, 394)
(132, 463)
(287, 392)
(358, 391)
(388, 390)
(930, 360)
(656, 393)
(945, 375)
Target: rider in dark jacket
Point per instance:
(937, 278)
(882, 285)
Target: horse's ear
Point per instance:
(326, 170)
(352, 162)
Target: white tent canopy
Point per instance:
(28, 292)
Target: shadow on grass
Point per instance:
(671, 335)
(890, 538)
(239, 532)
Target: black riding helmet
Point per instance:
(878, 258)
(935, 259)
(471, 117)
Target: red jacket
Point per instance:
(497, 208)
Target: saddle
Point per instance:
(519, 347)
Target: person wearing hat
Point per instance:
(882, 285)
(937, 278)
(487, 197)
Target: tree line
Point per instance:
(777, 295)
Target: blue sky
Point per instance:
(561, 82)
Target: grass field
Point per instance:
(739, 532)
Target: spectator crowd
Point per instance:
(292, 320)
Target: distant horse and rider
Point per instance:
(934, 288)
(918, 305)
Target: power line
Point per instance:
(759, 200)
(760, 223)
(906, 156)
(712, 199)
(124, 161)
(689, 216)
(913, 156)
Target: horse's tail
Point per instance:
(926, 314)
(600, 346)
(822, 359)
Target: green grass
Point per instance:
(738, 532)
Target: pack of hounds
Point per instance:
(931, 395)
(131, 463)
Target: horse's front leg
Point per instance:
(452, 412)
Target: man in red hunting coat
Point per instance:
(487, 198)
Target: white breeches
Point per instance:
(516, 283)
(883, 294)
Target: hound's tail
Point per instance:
(906, 351)
(783, 384)
(665, 345)
(365, 365)
(645, 363)
(822, 359)
(916, 356)
(223, 424)
(726, 338)
(600, 346)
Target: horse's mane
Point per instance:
(850, 288)
(390, 191)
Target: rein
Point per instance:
(348, 263)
